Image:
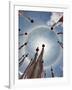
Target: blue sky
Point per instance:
(54, 57)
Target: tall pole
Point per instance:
(38, 68)
(60, 33)
(21, 57)
(60, 20)
(23, 45)
(26, 17)
(60, 43)
(27, 73)
(20, 62)
(52, 73)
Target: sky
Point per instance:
(39, 33)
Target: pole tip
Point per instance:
(25, 43)
(43, 45)
(51, 28)
(32, 21)
(25, 33)
(27, 55)
(37, 49)
(19, 29)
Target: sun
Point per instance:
(40, 42)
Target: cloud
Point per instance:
(20, 73)
(54, 18)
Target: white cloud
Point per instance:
(54, 18)
(20, 73)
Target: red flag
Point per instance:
(61, 19)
